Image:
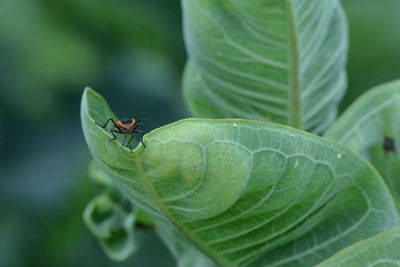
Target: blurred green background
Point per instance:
(132, 52)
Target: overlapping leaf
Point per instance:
(271, 60)
(245, 193)
(371, 127)
(381, 250)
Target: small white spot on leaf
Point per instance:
(295, 164)
(339, 156)
(235, 125)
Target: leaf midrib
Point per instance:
(194, 240)
(294, 119)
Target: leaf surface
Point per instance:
(371, 127)
(270, 60)
(380, 250)
(245, 193)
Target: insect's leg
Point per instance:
(129, 147)
(128, 144)
(130, 139)
(139, 125)
(104, 126)
(123, 141)
(141, 138)
(114, 137)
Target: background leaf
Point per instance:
(112, 226)
(281, 61)
(380, 250)
(245, 192)
(127, 50)
(371, 127)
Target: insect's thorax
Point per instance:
(127, 121)
(125, 125)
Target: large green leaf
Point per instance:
(371, 127)
(269, 60)
(380, 250)
(244, 192)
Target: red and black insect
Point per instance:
(125, 127)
